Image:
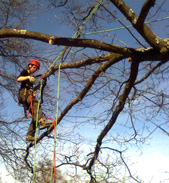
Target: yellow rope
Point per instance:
(75, 36)
(37, 116)
(55, 129)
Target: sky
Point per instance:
(152, 161)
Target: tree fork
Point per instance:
(119, 108)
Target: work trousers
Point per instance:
(25, 99)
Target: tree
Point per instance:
(104, 82)
(44, 173)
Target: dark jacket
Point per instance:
(24, 88)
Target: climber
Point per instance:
(27, 98)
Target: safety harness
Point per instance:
(32, 92)
(32, 97)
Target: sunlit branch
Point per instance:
(145, 10)
(55, 40)
(143, 29)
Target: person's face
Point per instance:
(33, 68)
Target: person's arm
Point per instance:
(23, 78)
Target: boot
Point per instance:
(43, 123)
(30, 138)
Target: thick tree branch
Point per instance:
(144, 11)
(137, 54)
(119, 108)
(90, 61)
(143, 29)
(140, 54)
(60, 41)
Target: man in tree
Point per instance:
(27, 98)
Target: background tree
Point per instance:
(112, 86)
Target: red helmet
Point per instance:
(35, 62)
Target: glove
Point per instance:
(31, 79)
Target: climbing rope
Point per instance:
(31, 98)
(124, 27)
(78, 32)
(76, 35)
(37, 116)
(53, 169)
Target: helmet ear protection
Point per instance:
(35, 62)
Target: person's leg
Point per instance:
(31, 130)
(35, 109)
(42, 122)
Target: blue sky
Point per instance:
(153, 158)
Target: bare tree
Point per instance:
(105, 81)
